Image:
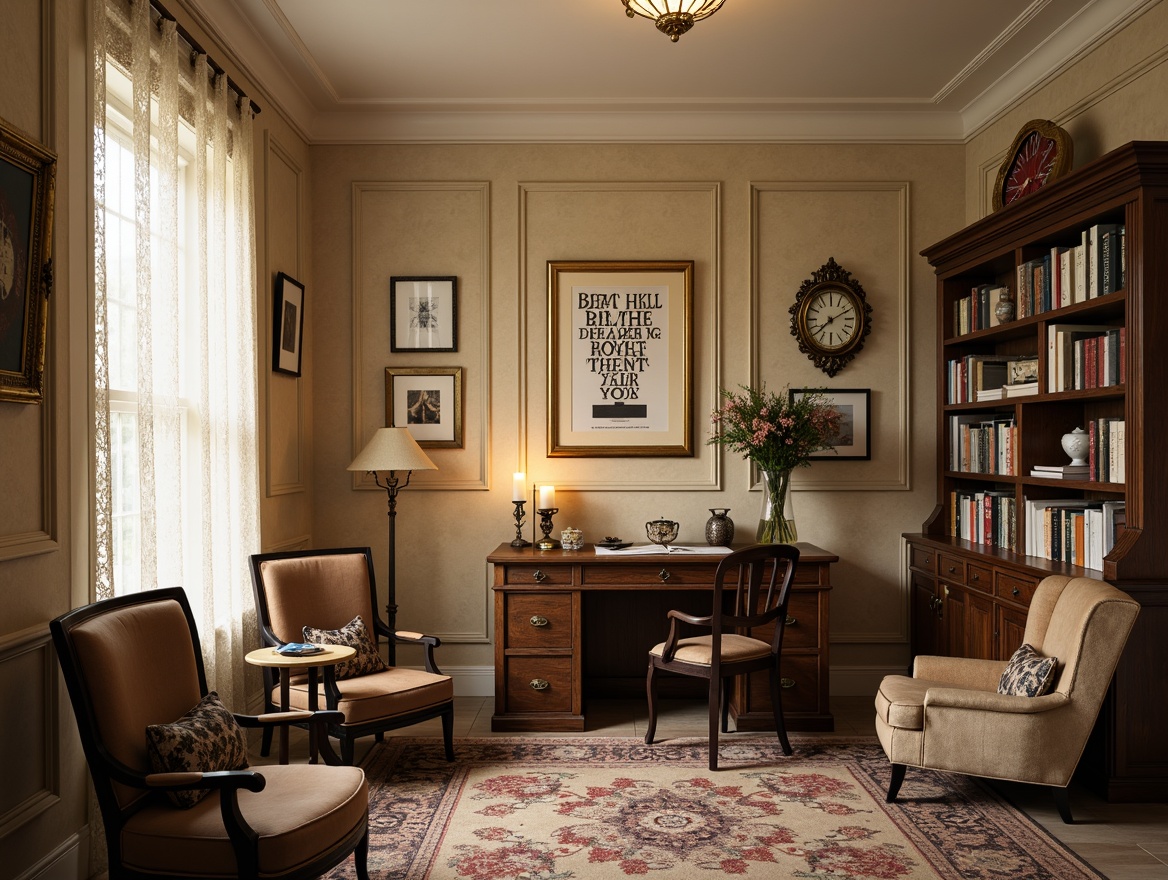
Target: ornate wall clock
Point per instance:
(1041, 152)
(831, 317)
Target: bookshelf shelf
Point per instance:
(1094, 330)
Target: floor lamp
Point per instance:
(392, 450)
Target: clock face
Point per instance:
(1031, 168)
(832, 319)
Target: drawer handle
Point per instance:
(663, 575)
(786, 682)
(952, 569)
(538, 621)
(540, 684)
(790, 621)
(975, 577)
(539, 576)
(1015, 591)
(928, 560)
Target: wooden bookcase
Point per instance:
(970, 598)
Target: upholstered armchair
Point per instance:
(169, 762)
(327, 591)
(950, 715)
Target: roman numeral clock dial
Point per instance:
(831, 317)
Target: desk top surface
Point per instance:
(505, 553)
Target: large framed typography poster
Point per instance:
(620, 359)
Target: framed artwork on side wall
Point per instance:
(427, 401)
(28, 174)
(288, 325)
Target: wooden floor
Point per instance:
(1121, 841)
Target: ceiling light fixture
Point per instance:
(673, 17)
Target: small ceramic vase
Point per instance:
(1004, 310)
(1077, 444)
(719, 528)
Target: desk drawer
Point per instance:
(537, 574)
(539, 684)
(951, 568)
(802, 621)
(538, 620)
(799, 683)
(661, 571)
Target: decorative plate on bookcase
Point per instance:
(1041, 152)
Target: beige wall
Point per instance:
(757, 220)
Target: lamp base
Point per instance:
(547, 542)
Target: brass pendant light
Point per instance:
(673, 17)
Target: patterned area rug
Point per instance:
(552, 809)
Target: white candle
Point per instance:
(519, 486)
(547, 497)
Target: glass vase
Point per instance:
(776, 523)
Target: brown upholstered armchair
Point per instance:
(133, 663)
(326, 590)
(950, 716)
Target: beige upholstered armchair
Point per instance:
(327, 590)
(950, 716)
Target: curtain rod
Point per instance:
(185, 36)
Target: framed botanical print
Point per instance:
(853, 440)
(288, 325)
(620, 352)
(427, 401)
(27, 180)
(423, 313)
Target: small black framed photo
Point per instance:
(428, 402)
(288, 325)
(853, 442)
(423, 313)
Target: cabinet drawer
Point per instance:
(1015, 587)
(799, 685)
(539, 620)
(951, 568)
(535, 574)
(539, 684)
(660, 571)
(924, 559)
(980, 578)
(802, 621)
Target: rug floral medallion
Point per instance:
(594, 809)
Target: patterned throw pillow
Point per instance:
(206, 739)
(365, 662)
(1028, 674)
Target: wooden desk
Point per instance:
(570, 624)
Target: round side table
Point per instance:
(330, 656)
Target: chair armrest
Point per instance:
(244, 839)
(962, 672)
(218, 780)
(987, 701)
(268, 718)
(690, 618)
(428, 643)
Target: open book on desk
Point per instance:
(671, 549)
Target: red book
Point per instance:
(1092, 471)
(1091, 361)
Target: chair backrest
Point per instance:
(128, 662)
(752, 587)
(1085, 624)
(321, 588)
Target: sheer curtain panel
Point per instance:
(175, 464)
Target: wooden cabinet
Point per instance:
(1001, 524)
(569, 625)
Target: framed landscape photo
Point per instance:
(423, 313)
(28, 174)
(288, 325)
(427, 401)
(853, 441)
(620, 359)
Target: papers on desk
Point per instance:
(671, 550)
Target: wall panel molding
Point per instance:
(295, 484)
(32, 784)
(899, 321)
(477, 377)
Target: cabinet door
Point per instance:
(955, 610)
(925, 622)
(1010, 629)
(979, 627)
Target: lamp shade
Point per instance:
(392, 449)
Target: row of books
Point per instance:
(1067, 275)
(1085, 356)
(1077, 531)
(989, 377)
(981, 445)
(986, 517)
(977, 311)
(1107, 458)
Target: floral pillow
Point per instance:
(365, 662)
(1028, 674)
(206, 739)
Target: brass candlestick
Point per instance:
(519, 522)
(547, 542)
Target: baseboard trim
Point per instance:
(860, 681)
(472, 681)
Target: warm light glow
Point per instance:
(392, 449)
(519, 486)
(673, 17)
(547, 498)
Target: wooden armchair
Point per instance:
(327, 590)
(134, 662)
(751, 590)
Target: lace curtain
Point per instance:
(175, 464)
